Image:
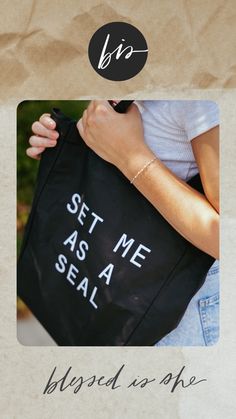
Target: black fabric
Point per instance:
(135, 305)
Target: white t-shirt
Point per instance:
(169, 127)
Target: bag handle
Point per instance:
(122, 106)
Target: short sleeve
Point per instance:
(199, 116)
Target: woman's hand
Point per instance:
(44, 135)
(117, 138)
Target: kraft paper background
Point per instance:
(192, 55)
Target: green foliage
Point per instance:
(27, 113)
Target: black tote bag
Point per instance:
(99, 266)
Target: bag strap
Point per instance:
(122, 106)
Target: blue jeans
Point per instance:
(200, 324)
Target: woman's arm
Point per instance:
(206, 151)
(188, 211)
(119, 140)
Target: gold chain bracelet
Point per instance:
(142, 170)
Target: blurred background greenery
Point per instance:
(27, 113)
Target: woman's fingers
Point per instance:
(44, 136)
(37, 141)
(35, 152)
(47, 121)
(39, 129)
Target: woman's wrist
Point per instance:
(134, 163)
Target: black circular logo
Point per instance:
(118, 51)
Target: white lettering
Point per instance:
(60, 266)
(82, 213)
(81, 252)
(107, 273)
(72, 271)
(71, 240)
(96, 219)
(83, 285)
(137, 254)
(105, 57)
(91, 300)
(76, 199)
(124, 243)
